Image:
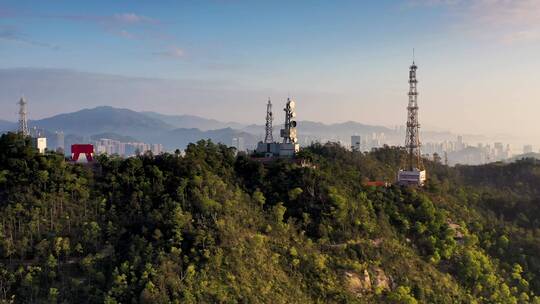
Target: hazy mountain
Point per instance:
(7, 125)
(192, 121)
(114, 136)
(102, 120)
(180, 138)
(175, 131)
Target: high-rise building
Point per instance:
(527, 149)
(356, 143)
(238, 143)
(60, 142)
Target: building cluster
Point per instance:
(481, 153)
(367, 143)
(115, 147)
(238, 143)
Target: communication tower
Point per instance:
(289, 131)
(413, 173)
(23, 121)
(269, 138)
(289, 147)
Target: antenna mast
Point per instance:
(412, 141)
(269, 129)
(289, 131)
(23, 122)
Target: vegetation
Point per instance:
(210, 227)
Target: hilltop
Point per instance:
(211, 227)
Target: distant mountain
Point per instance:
(102, 120)
(176, 131)
(310, 131)
(191, 121)
(7, 125)
(318, 128)
(113, 136)
(180, 138)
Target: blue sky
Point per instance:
(341, 60)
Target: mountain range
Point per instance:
(176, 131)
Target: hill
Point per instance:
(7, 125)
(113, 136)
(193, 122)
(209, 227)
(103, 119)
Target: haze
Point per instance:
(341, 60)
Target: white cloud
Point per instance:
(12, 34)
(174, 52)
(132, 18)
(507, 21)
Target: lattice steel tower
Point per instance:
(412, 141)
(23, 122)
(269, 138)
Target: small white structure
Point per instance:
(41, 144)
(412, 178)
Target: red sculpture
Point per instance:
(87, 149)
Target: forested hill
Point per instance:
(209, 227)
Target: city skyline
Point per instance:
(477, 67)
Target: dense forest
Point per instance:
(207, 226)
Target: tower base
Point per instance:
(415, 177)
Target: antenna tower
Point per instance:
(23, 122)
(269, 129)
(289, 132)
(412, 141)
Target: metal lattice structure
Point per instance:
(23, 121)
(269, 138)
(412, 140)
(289, 131)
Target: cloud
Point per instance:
(432, 2)
(12, 34)
(507, 21)
(174, 52)
(116, 24)
(132, 18)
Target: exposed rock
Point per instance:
(358, 283)
(457, 230)
(381, 280)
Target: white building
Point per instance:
(41, 144)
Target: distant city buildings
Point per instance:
(115, 147)
(238, 143)
(356, 143)
(60, 142)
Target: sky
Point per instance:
(479, 63)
